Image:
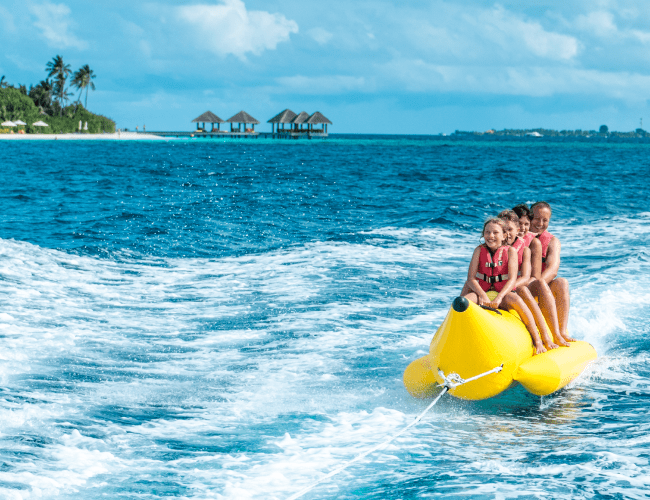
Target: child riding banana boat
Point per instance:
(510, 302)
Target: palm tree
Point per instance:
(60, 71)
(47, 88)
(83, 79)
(41, 94)
(3, 82)
(62, 94)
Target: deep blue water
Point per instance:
(206, 319)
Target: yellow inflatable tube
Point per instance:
(472, 340)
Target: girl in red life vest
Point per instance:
(523, 276)
(525, 216)
(494, 267)
(538, 289)
(545, 265)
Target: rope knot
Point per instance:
(452, 380)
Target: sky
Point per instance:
(407, 67)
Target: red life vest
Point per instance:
(528, 238)
(545, 239)
(492, 271)
(520, 246)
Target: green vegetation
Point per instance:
(60, 71)
(47, 101)
(14, 105)
(83, 79)
(542, 132)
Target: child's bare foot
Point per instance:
(539, 348)
(560, 340)
(550, 344)
(569, 339)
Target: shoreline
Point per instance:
(116, 136)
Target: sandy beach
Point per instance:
(117, 136)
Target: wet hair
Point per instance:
(540, 204)
(522, 210)
(509, 216)
(495, 220)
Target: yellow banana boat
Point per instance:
(473, 340)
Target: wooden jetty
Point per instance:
(284, 125)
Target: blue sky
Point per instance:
(379, 67)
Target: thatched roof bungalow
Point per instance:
(298, 121)
(316, 119)
(281, 118)
(245, 118)
(208, 117)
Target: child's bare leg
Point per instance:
(466, 289)
(542, 291)
(529, 300)
(513, 301)
(471, 296)
(560, 289)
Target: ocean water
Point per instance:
(231, 320)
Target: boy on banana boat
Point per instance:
(521, 266)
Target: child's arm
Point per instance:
(525, 270)
(552, 260)
(535, 260)
(513, 266)
(472, 282)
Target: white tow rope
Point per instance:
(451, 381)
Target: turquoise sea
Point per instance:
(203, 319)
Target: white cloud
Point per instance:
(535, 81)
(600, 23)
(321, 35)
(628, 13)
(145, 48)
(641, 36)
(54, 22)
(603, 25)
(329, 84)
(544, 44)
(496, 33)
(228, 28)
(7, 20)
(25, 63)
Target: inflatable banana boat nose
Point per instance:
(472, 340)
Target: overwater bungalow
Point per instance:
(299, 120)
(281, 119)
(245, 118)
(208, 117)
(318, 119)
(301, 125)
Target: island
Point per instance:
(47, 108)
(603, 131)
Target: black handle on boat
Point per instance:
(492, 309)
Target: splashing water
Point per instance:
(232, 320)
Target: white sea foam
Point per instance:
(249, 377)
